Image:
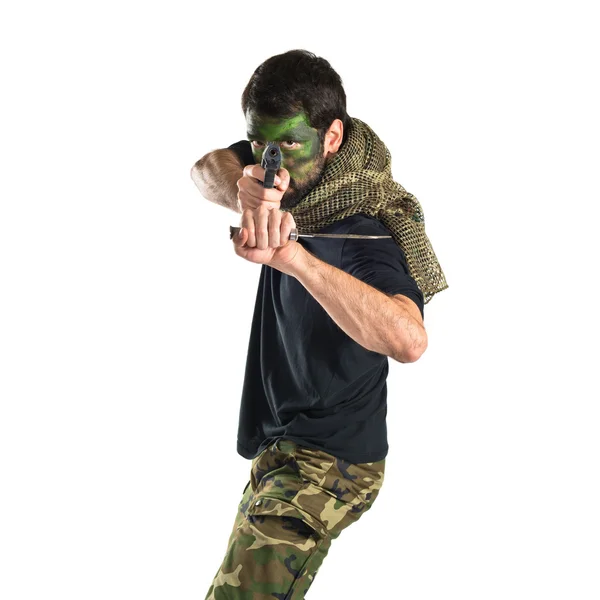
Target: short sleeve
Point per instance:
(380, 263)
(244, 151)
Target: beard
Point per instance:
(298, 190)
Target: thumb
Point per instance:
(240, 238)
(284, 179)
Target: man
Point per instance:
(329, 312)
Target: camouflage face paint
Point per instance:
(301, 150)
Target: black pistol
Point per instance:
(271, 162)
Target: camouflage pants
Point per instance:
(297, 501)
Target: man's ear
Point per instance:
(334, 137)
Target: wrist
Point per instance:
(300, 263)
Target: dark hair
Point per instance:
(295, 81)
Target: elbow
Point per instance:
(197, 172)
(202, 175)
(411, 352)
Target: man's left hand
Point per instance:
(265, 238)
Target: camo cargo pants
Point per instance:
(297, 501)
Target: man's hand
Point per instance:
(252, 194)
(265, 238)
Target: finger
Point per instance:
(253, 193)
(256, 176)
(274, 225)
(248, 223)
(247, 201)
(262, 194)
(240, 238)
(287, 224)
(282, 180)
(261, 219)
(255, 171)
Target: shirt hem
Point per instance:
(351, 458)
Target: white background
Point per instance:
(125, 313)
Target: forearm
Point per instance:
(370, 317)
(216, 175)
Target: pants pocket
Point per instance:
(275, 551)
(297, 519)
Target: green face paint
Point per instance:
(301, 151)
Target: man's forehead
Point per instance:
(256, 123)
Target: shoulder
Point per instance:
(382, 253)
(363, 224)
(244, 151)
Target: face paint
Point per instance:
(301, 151)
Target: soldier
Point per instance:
(329, 312)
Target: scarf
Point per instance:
(358, 179)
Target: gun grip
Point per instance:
(269, 181)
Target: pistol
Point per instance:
(271, 162)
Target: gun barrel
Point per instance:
(271, 163)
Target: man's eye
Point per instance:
(290, 142)
(256, 144)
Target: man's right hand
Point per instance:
(252, 194)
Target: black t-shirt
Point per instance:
(306, 380)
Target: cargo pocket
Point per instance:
(264, 506)
(296, 540)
